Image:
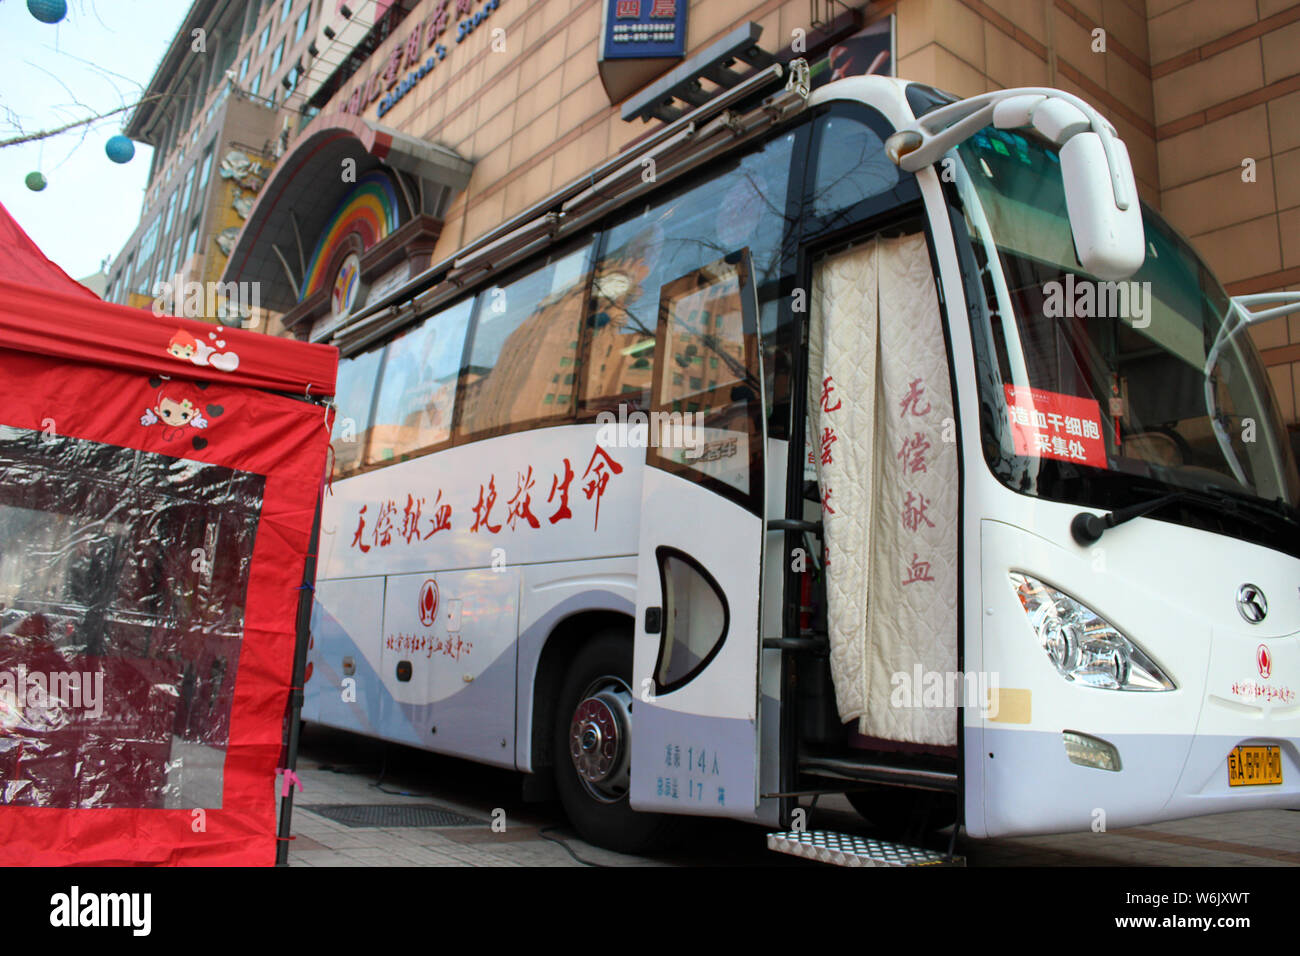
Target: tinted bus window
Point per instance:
(740, 207)
(417, 393)
(523, 361)
(851, 167)
(354, 395)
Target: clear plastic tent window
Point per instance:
(123, 580)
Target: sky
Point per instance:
(104, 53)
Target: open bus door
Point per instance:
(695, 666)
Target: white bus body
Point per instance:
(463, 640)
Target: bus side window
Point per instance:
(705, 423)
(522, 363)
(354, 395)
(736, 207)
(417, 389)
(851, 167)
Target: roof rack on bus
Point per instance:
(676, 148)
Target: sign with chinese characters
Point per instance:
(390, 524)
(1051, 425)
(636, 29)
(417, 54)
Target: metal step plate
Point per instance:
(847, 849)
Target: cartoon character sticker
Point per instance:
(187, 348)
(179, 407)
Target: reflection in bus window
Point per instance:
(851, 166)
(354, 397)
(742, 206)
(417, 392)
(522, 365)
(704, 422)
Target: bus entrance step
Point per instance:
(848, 849)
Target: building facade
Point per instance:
(221, 104)
(413, 127)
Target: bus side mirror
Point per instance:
(1109, 240)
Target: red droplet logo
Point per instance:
(429, 602)
(1265, 661)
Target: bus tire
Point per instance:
(593, 749)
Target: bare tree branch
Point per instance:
(47, 133)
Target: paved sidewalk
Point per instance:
(320, 841)
(343, 769)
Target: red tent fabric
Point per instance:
(21, 260)
(155, 517)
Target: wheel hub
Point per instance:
(598, 741)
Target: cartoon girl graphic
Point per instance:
(187, 348)
(182, 345)
(176, 408)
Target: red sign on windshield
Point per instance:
(1050, 425)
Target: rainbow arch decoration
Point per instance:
(370, 209)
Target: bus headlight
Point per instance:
(1082, 645)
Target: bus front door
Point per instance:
(695, 666)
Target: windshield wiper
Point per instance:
(1268, 507)
(1087, 528)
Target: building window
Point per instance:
(264, 39)
(205, 169)
(277, 56)
(171, 210)
(185, 190)
(176, 256)
(284, 10)
(243, 70)
(257, 83)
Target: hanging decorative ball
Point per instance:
(35, 181)
(48, 11)
(119, 149)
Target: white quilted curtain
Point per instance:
(882, 434)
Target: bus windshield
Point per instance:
(1092, 392)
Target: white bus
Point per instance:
(911, 459)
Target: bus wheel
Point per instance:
(896, 811)
(593, 749)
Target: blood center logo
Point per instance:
(429, 602)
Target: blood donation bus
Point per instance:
(858, 440)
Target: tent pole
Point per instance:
(305, 599)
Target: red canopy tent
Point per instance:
(159, 478)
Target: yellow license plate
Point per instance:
(1254, 766)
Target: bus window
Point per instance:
(705, 421)
(695, 619)
(740, 206)
(354, 395)
(851, 167)
(417, 391)
(522, 365)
